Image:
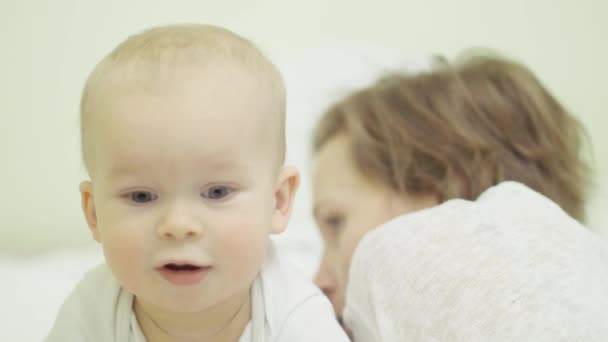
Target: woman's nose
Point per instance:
(325, 279)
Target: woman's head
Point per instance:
(413, 141)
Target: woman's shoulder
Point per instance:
(483, 263)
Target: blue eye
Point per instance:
(142, 196)
(217, 192)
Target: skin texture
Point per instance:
(183, 170)
(346, 206)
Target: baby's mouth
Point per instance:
(184, 267)
(184, 274)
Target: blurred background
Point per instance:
(48, 48)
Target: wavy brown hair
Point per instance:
(459, 129)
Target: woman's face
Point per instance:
(346, 206)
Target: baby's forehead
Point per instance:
(159, 77)
(216, 107)
(218, 91)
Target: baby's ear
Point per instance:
(284, 193)
(88, 207)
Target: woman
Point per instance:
(411, 142)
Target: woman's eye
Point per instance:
(334, 222)
(142, 196)
(217, 192)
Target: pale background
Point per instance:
(48, 48)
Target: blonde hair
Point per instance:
(156, 51)
(457, 130)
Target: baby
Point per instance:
(183, 138)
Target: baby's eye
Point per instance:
(142, 196)
(217, 192)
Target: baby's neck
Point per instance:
(224, 322)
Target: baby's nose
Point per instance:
(178, 232)
(178, 225)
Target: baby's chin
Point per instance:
(175, 304)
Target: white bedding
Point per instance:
(32, 289)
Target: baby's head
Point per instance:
(183, 139)
(413, 141)
(192, 60)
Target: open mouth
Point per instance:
(176, 267)
(184, 274)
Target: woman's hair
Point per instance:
(457, 130)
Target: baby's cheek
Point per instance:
(124, 251)
(127, 248)
(244, 247)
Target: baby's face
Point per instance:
(183, 187)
